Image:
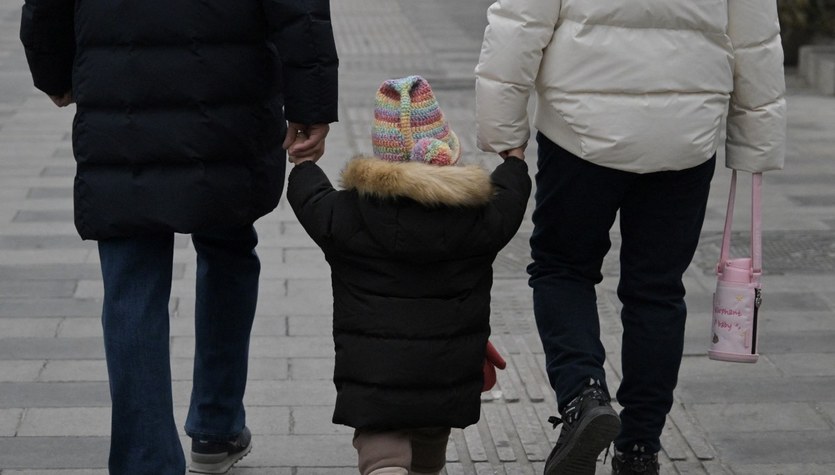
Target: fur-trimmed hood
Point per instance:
(429, 185)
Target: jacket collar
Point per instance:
(429, 185)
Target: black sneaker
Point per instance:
(218, 457)
(589, 425)
(635, 462)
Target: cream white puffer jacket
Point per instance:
(638, 85)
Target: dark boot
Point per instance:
(635, 462)
(589, 424)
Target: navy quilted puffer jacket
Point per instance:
(181, 104)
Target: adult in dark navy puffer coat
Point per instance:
(179, 128)
(179, 124)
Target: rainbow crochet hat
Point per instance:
(409, 124)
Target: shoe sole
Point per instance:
(594, 434)
(207, 465)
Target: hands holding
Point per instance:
(518, 152)
(305, 142)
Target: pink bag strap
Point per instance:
(756, 226)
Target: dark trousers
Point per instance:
(137, 285)
(661, 216)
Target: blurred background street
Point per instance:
(774, 417)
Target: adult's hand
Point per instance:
(305, 142)
(63, 100)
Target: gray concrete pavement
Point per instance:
(774, 417)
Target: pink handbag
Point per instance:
(738, 294)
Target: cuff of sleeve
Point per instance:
(51, 73)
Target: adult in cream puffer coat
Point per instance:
(632, 99)
(639, 86)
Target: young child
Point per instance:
(410, 241)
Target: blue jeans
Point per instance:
(137, 286)
(661, 216)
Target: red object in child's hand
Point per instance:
(492, 360)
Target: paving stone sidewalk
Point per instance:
(774, 417)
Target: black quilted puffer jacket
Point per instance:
(411, 248)
(181, 104)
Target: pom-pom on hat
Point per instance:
(409, 124)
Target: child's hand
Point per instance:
(518, 152)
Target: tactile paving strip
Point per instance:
(803, 252)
